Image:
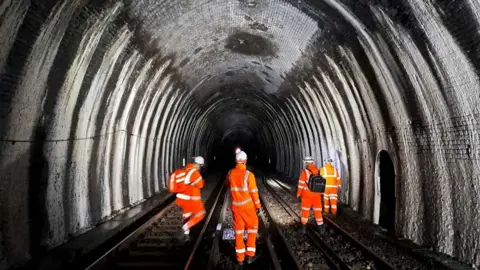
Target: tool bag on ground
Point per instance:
(316, 183)
(176, 182)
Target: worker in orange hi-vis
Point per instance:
(245, 204)
(187, 183)
(332, 186)
(309, 199)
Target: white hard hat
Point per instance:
(241, 157)
(199, 160)
(308, 159)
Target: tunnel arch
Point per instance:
(102, 99)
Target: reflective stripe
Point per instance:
(304, 219)
(331, 186)
(328, 175)
(320, 223)
(187, 214)
(306, 208)
(301, 182)
(197, 180)
(242, 250)
(186, 197)
(254, 190)
(245, 180)
(319, 219)
(186, 232)
(239, 231)
(180, 174)
(180, 180)
(334, 207)
(252, 231)
(201, 213)
(339, 186)
(307, 172)
(238, 189)
(242, 202)
(317, 209)
(183, 196)
(170, 185)
(250, 249)
(185, 227)
(189, 174)
(326, 206)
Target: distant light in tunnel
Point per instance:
(237, 150)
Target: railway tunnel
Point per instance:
(101, 100)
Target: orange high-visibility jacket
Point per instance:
(332, 176)
(243, 188)
(302, 189)
(194, 182)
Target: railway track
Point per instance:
(155, 244)
(222, 254)
(340, 250)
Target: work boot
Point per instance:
(303, 229)
(183, 237)
(251, 259)
(321, 228)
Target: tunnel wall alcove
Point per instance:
(87, 87)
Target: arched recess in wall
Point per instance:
(385, 200)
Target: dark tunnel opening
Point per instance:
(387, 191)
(101, 100)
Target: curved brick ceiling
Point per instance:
(100, 101)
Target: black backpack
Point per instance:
(316, 183)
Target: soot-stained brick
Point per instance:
(258, 26)
(250, 44)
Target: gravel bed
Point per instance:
(306, 253)
(389, 253)
(342, 247)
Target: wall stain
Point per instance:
(250, 44)
(197, 50)
(258, 26)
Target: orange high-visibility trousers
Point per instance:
(312, 200)
(245, 219)
(330, 199)
(193, 212)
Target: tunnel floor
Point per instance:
(279, 244)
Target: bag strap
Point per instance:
(312, 172)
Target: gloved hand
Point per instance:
(299, 199)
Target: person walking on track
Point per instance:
(333, 184)
(245, 204)
(308, 198)
(187, 184)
